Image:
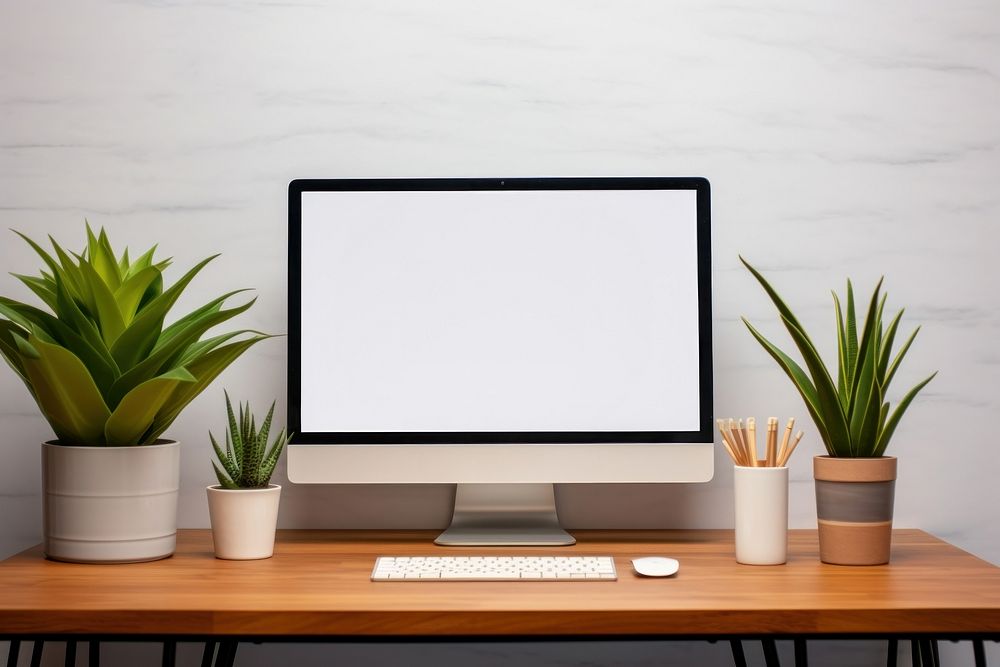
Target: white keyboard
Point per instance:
(494, 568)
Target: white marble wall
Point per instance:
(841, 139)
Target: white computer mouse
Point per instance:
(655, 566)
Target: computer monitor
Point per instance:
(502, 335)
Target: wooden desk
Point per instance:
(317, 586)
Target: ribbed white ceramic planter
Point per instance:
(110, 504)
(243, 521)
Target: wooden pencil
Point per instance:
(772, 441)
(752, 428)
(791, 448)
(784, 441)
(728, 443)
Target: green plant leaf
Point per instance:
(129, 294)
(783, 309)
(224, 481)
(97, 361)
(801, 381)
(109, 317)
(136, 411)
(235, 433)
(66, 393)
(852, 341)
(842, 386)
(161, 358)
(897, 414)
(135, 343)
(104, 263)
(205, 369)
(885, 349)
(894, 366)
(865, 400)
(225, 458)
(826, 392)
(213, 306)
(42, 288)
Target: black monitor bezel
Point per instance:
(698, 184)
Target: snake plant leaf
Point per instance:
(834, 418)
(842, 390)
(863, 413)
(205, 369)
(142, 333)
(799, 378)
(137, 410)
(66, 392)
(868, 335)
(129, 294)
(783, 309)
(885, 349)
(852, 340)
(893, 421)
(894, 366)
(161, 358)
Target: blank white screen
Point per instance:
(499, 311)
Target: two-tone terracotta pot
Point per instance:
(854, 499)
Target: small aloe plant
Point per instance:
(851, 413)
(247, 463)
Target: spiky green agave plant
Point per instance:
(247, 463)
(852, 416)
(101, 366)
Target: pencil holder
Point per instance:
(761, 496)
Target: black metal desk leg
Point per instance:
(979, 652)
(770, 653)
(893, 653)
(739, 657)
(227, 653)
(94, 657)
(208, 655)
(12, 653)
(36, 653)
(915, 653)
(70, 654)
(801, 653)
(169, 654)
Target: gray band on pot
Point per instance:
(854, 501)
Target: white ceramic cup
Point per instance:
(761, 496)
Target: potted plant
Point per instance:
(110, 378)
(855, 482)
(243, 506)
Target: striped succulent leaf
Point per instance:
(248, 463)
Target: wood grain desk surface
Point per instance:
(317, 584)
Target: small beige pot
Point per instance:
(854, 501)
(110, 504)
(243, 521)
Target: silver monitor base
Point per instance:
(505, 515)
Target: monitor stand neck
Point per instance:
(505, 515)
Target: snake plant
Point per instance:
(247, 463)
(852, 414)
(102, 367)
